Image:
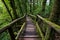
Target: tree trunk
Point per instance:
(19, 2)
(55, 16)
(43, 6)
(12, 3)
(26, 6)
(50, 4)
(7, 9)
(31, 6)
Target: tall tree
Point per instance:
(55, 15)
(50, 5)
(51, 2)
(7, 9)
(12, 3)
(26, 6)
(31, 6)
(43, 6)
(20, 6)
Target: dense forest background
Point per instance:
(12, 9)
(5, 17)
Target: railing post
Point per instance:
(11, 33)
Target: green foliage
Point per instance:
(4, 20)
(5, 36)
(4, 16)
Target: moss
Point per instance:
(51, 24)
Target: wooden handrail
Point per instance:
(32, 15)
(39, 30)
(9, 25)
(20, 31)
(55, 26)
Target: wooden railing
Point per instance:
(20, 31)
(53, 25)
(49, 25)
(9, 27)
(39, 31)
(33, 17)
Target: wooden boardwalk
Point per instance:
(30, 32)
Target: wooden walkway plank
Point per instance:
(30, 31)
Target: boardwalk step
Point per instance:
(30, 31)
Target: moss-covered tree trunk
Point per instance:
(55, 16)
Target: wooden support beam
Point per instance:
(39, 30)
(12, 3)
(20, 31)
(51, 24)
(32, 15)
(47, 34)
